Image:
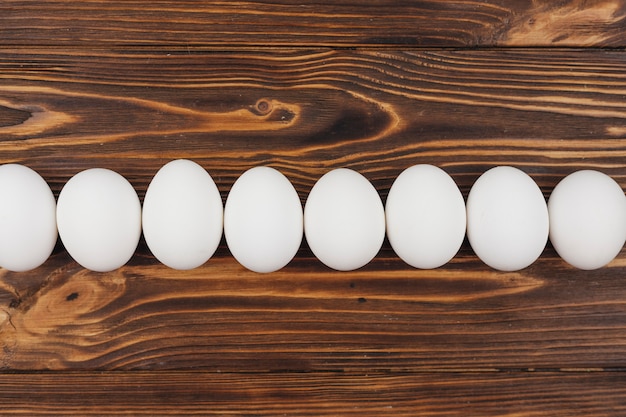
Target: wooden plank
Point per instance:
(304, 87)
(375, 111)
(345, 23)
(308, 111)
(174, 393)
(304, 318)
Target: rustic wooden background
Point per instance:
(305, 87)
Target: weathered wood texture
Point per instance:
(308, 111)
(436, 394)
(344, 23)
(130, 86)
(377, 112)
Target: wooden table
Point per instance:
(304, 88)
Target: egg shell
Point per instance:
(182, 215)
(99, 219)
(28, 230)
(425, 214)
(344, 220)
(263, 223)
(507, 219)
(587, 219)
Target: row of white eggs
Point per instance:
(99, 218)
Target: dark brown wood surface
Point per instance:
(305, 88)
(345, 23)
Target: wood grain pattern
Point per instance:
(139, 394)
(305, 88)
(305, 113)
(345, 23)
(304, 319)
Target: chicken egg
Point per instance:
(587, 219)
(263, 220)
(425, 214)
(28, 230)
(507, 219)
(182, 215)
(344, 220)
(99, 219)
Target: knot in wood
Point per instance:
(263, 106)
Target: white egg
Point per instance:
(507, 219)
(99, 219)
(344, 220)
(263, 220)
(587, 219)
(425, 215)
(28, 230)
(182, 215)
